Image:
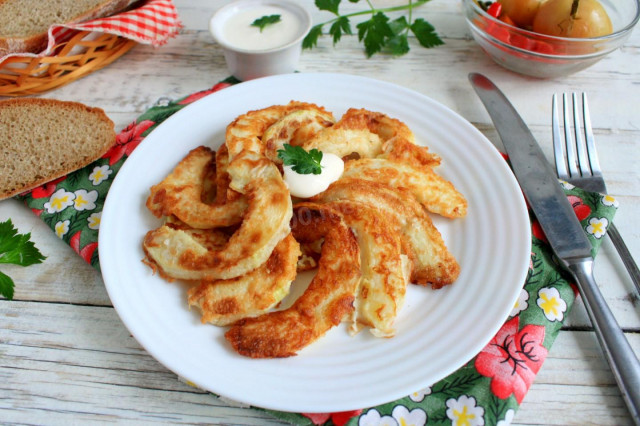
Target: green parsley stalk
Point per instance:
(377, 33)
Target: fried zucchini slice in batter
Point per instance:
(402, 150)
(435, 193)
(245, 132)
(430, 259)
(385, 270)
(265, 223)
(359, 131)
(294, 129)
(223, 302)
(181, 194)
(325, 303)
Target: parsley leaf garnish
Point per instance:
(265, 20)
(302, 162)
(378, 34)
(311, 40)
(374, 33)
(15, 249)
(328, 5)
(425, 33)
(339, 27)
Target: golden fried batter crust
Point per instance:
(385, 270)
(430, 259)
(245, 132)
(181, 194)
(402, 150)
(359, 131)
(265, 223)
(294, 129)
(209, 239)
(224, 194)
(435, 193)
(325, 303)
(223, 302)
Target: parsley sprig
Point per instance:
(378, 33)
(15, 249)
(303, 162)
(265, 20)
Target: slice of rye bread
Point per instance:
(44, 139)
(24, 23)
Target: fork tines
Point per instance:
(574, 158)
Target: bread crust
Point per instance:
(35, 43)
(12, 141)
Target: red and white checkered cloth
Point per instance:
(154, 22)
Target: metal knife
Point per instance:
(564, 233)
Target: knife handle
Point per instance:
(620, 356)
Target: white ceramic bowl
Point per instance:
(246, 59)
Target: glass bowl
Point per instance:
(543, 56)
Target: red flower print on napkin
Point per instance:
(47, 189)
(85, 252)
(338, 419)
(128, 140)
(203, 93)
(581, 210)
(512, 359)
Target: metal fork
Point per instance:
(577, 163)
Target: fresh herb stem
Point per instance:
(411, 6)
(378, 33)
(373, 11)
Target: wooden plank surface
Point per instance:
(65, 356)
(69, 362)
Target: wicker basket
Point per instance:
(82, 54)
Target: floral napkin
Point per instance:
(485, 391)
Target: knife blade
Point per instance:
(563, 231)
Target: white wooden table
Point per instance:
(65, 356)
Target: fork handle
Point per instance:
(617, 350)
(625, 255)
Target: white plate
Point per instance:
(437, 331)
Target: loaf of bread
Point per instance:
(43, 139)
(24, 23)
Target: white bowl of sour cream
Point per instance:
(252, 51)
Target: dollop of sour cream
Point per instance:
(238, 31)
(306, 186)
